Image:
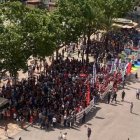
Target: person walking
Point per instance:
(84, 117)
(54, 120)
(136, 75)
(6, 129)
(123, 83)
(137, 93)
(114, 98)
(88, 133)
(78, 52)
(108, 97)
(131, 107)
(123, 95)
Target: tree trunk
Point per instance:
(14, 78)
(87, 49)
(83, 56)
(106, 42)
(57, 53)
(83, 49)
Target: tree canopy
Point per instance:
(23, 32)
(26, 32)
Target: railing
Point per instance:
(102, 96)
(86, 110)
(91, 105)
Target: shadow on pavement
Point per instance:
(127, 88)
(132, 87)
(113, 104)
(10, 138)
(118, 102)
(99, 117)
(135, 113)
(90, 116)
(127, 102)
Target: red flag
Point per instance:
(129, 68)
(88, 94)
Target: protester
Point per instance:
(136, 75)
(84, 117)
(131, 107)
(88, 133)
(108, 97)
(123, 95)
(137, 94)
(114, 96)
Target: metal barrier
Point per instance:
(86, 110)
(102, 96)
(91, 105)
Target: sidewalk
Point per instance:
(13, 129)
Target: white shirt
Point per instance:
(14, 115)
(137, 90)
(54, 119)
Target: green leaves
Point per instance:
(23, 32)
(114, 9)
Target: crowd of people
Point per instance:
(58, 95)
(55, 97)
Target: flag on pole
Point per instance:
(94, 73)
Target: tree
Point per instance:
(84, 15)
(12, 52)
(113, 9)
(55, 28)
(37, 36)
(24, 33)
(70, 15)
